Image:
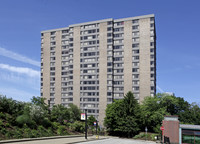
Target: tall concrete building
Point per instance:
(91, 64)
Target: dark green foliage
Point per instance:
(123, 116)
(75, 113)
(31, 120)
(59, 113)
(91, 119)
(23, 119)
(78, 126)
(62, 130)
(155, 108)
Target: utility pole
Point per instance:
(96, 126)
(86, 124)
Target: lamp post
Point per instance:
(96, 126)
(86, 124)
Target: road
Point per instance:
(81, 140)
(118, 141)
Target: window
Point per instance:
(135, 75)
(64, 31)
(152, 19)
(109, 34)
(53, 33)
(135, 70)
(53, 38)
(135, 57)
(135, 51)
(53, 43)
(135, 33)
(118, 29)
(109, 28)
(119, 23)
(135, 39)
(135, 45)
(135, 21)
(135, 27)
(109, 70)
(109, 40)
(109, 23)
(118, 35)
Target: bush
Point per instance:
(1, 123)
(34, 134)
(78, 126)
(62, 130)
(46, 123)
(27, 132)
(55, 125)
(2, 115)
(50, 131)
(23, 119)
(18, 133)
(43, 132)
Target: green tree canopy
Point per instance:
(91, 120)
(60, 113)
(75, 113)
(123, 117)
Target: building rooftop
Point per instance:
(188, 126)
(99, 21)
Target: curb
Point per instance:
(87, 141)
(40, 138)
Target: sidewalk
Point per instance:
(53, 140)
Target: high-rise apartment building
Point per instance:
(91, 64)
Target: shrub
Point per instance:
(78, 126)
(1, 123)
(50, 131)
(43, 131)
(2, 115)
(34, 134)
(23, 119)
(55, 125)
(18, 133)
(46, 123)
(27, 132)
(61, 130)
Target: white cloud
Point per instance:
(18, 57)
(21, 70)
(17, 94)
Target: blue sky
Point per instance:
(178, 39)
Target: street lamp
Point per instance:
(85, 123)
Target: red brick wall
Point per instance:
(171, 130)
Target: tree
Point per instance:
(155, 108)
(123, 117)
(75, 113)
(60, 113)
(152, 114)
(91, 120)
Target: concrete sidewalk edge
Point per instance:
(87, 140)
(40, 138)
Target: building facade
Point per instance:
(91, 64)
